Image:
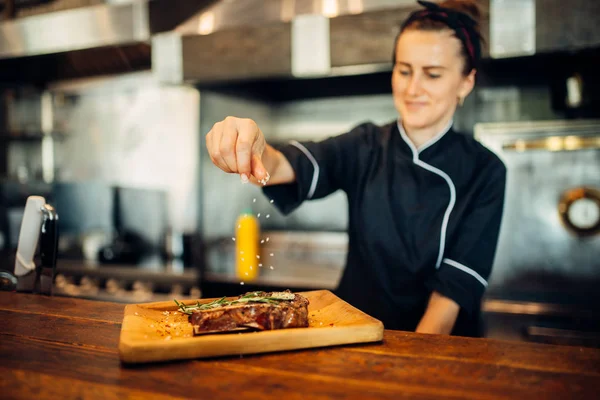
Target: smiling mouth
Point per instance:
(414, 104)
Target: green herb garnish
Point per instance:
(252, 297)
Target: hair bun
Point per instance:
(469, 7)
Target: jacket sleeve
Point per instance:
(467, 262)
(321, 168)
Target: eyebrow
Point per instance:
(425, 67)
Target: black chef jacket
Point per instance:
(419, 220)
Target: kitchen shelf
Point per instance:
(29, 136)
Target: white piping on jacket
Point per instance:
(315, 178)
(467, 270)
(439, 172)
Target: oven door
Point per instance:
(548, 255)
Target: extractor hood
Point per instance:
(273, 39)
(114, 36)
(209, 42)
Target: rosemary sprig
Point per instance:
(252, 297)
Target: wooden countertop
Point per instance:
(67, 348)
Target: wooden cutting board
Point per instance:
(157, 332)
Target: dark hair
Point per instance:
(460, 16)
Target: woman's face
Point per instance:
(427, 79)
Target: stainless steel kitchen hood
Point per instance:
(282, 39)
(104, 38)
(213, 41)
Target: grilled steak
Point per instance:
(254, 310)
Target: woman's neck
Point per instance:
(421, 136)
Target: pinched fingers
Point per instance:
(213, 140)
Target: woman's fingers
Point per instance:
(236, 145)
(227, 145)
(248, 133)
(213, 139)
(258, 170)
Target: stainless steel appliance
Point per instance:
(544, 282)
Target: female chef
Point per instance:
(425, 202)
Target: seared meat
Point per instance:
(257, 310)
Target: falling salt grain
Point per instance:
(271, 201)
(267, 239)
(233, 239)
(260, 265)
(137, 313)
(271, 267)
(254, 200)
(242, 258)
(241, 251)
(271, 254)
(168, 338)
(152, 326)
(262, 241)
(257, 256)
(241, 283)
(268, 215)
(246, 274)
(258, 215)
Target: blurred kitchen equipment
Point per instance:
(40, 222)
(247, 248)
(547, 267)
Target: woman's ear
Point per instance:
(467, 84)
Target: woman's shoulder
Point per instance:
(484, 158)
(372, 133)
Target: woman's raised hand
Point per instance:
(236, 145)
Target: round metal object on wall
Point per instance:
(579, 210)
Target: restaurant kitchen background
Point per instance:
(104, 106)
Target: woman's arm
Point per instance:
(440, 315)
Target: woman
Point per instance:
(425, 202)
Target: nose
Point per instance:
(414, 85)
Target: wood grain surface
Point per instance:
(67, 348)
